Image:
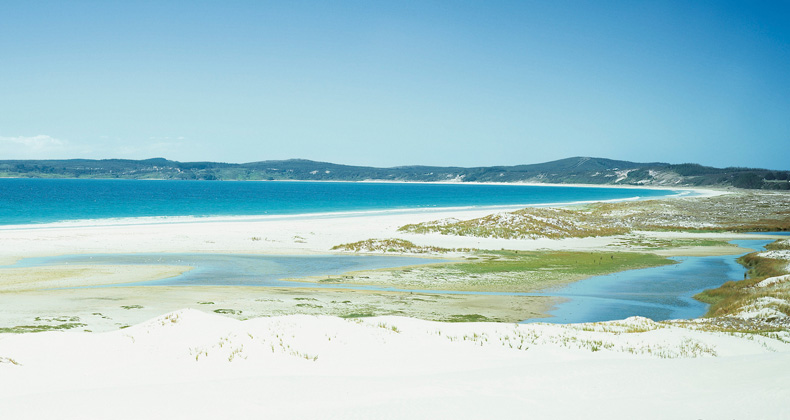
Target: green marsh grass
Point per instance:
(562, 262)
(731, 297)
(22, 329)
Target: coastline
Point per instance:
(302, 235)
(296, 234)
(147, 220)
(319, 234)
(264, 350)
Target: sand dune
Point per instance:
(188, 364)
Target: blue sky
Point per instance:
(388, 83)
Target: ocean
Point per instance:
(36, 201)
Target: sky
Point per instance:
(391, 83)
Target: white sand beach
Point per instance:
(299, 234)
(189, 364)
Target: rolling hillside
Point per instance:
(581, 170)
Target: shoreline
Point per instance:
(155, 220)
(387, 181)
(280, 236)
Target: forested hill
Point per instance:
(581, 170)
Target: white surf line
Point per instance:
(154, 220)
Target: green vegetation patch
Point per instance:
(562, 262)
(228, 311)
(21, 329)
(57, 319)
(309, 305)
(358, 315)
(663, 244)
(9, 360)
(733, 296)
(761, 267)
(468, 318)
(399, 246)
(529, 223)
(509, 271)
(742, 212)
(778, 245)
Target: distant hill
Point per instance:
(579, 170)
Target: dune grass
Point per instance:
(741, 212)
(468, 318)
(224, 311)
(659, 244)
(554, 223)
(21, 329)
(399, 246)
(733, 296)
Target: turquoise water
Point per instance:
(771, 233)
(33, 201)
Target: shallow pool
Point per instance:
(235, 269)
(657, 293)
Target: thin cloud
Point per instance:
(47, 147)
(40, 141)
(32, 147)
